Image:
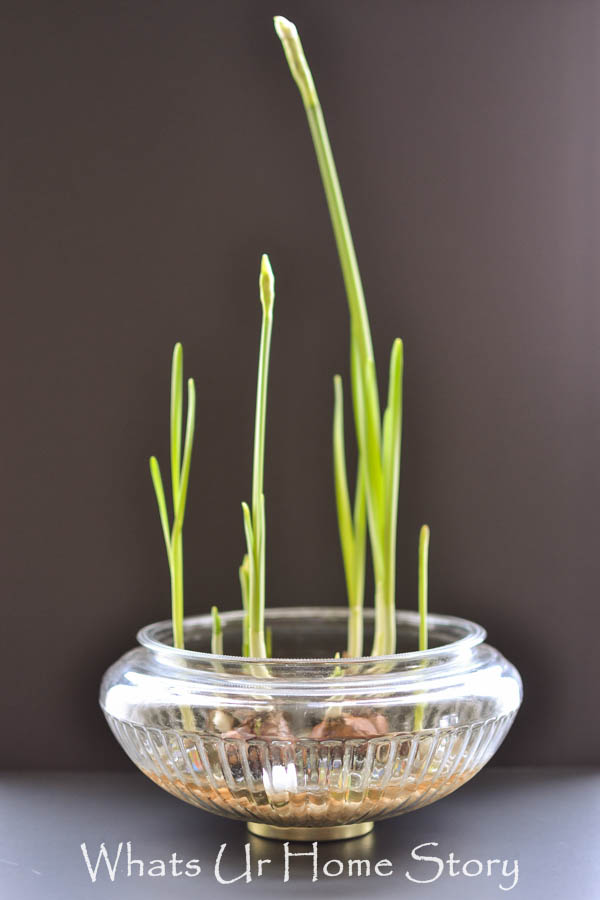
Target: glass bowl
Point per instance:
(311, 748)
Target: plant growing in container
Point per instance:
(320, 747)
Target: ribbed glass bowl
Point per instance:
(315, 747)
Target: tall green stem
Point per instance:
(423, 586)
(267, 297)
(378, 449)
(423, 603)
(252, 574)
(180, 474)
(302, 75)
(352, 526)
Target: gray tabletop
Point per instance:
(548, 820)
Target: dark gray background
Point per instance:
(554, 837)
(151, 151)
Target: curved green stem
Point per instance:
(379, 448)
(294, 52)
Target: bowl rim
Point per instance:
(473, 634)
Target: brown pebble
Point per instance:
(348, 727)
(269, 726)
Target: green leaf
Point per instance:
(176, 418)
(341, 486)
(392, 441)
(267, 292)
(358, 405)
(162, 504)
(391, 455)
(179, 485)
(261, 551)
(254, 524)
(286, 32)
(423, 586)
(360, 536)
(249, 533)
(373, 440)
(266, 285)
(369, 455)
(250, 556)
(246, 636)
(216, 643)
(244, 571)
(187, 457)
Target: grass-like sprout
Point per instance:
(252, 570)
(216, 644)
(352, 526)
(244, 573)
(423, 585)
(180, 473)
(378, 438)
(375, 506)
(423, 603)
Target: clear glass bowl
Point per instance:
(311, 748)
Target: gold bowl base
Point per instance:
(312, 833)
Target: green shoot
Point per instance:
(216, 643)
(252, 571)
(423, 586)
(244, 575)
(378, 444)
(180, 473)
(337, 672)
(269, 641)
(423, 602)
(352, 527)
